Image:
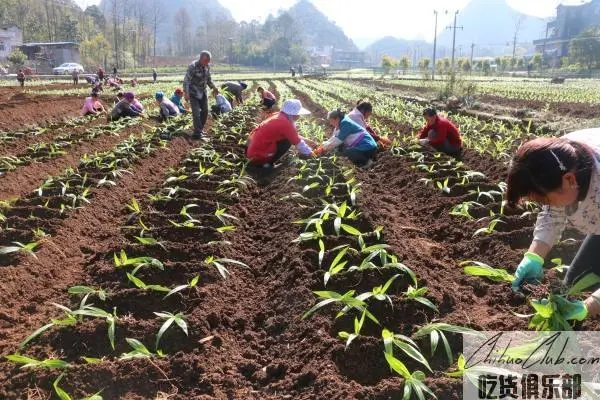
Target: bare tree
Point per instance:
(157, 16)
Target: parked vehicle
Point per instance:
(67, 68)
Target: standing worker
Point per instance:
(195, 82)
(233, 90)
(21, 78)
(75, 75)
(440, 134)
(355, 142)
(270, 140)
(563, 174)
(154, 74)
(115, 70)
(100, 74)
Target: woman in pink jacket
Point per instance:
(92, 106)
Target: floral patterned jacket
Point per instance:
(585, 216)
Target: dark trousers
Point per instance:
(216, 111)
(268, 103)
(199, 112)
(358, 157)
(21, 82)
(587, 260)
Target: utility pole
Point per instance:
(434, 45)
(472, 52)
(544, 47)
(519, 21)
(454, 28)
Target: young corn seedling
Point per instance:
(63, 395)
(123, 261)
(488, 230)
(21, 248)
(225, 219)
(443, 186)
(463, 209)
(139, 351)
(169, 320)
(203, 171)
(437, 331)
(405, 344)
(418, 294)
(475, 268)
(134, 207)
(191, 284)
(94, 312)
(87, 292)
(32, 363)
(337, 265)
(218, 263)
(149, 241)
(347, 300)
(378, 293)
(460, 368)
(550, 313)
(413, 383)
(142, 285)
(358, 324)
(559, 265)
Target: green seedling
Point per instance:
(358, 324)
(142, 285)
(347, 300)
(32, 363)
(460, 368)
(191, 284)
(379, 292)
(139, 351)
(475, 268)
(203, 171)
(443, 186)
(62, 395)
(418, 294)
(463, 209)
(94, 312)
(134, 207)
(437, 331)
(337, 265)
(559, 265)
(405, 344)
(123, 261)
(87, 292)
(218, 263)
(20, 248)
(148, 241)
(412, 382)
(488, 230)
(169, 319)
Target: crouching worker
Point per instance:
(167, 108)
(270, 140)
(563, 174)
(268, 99)
(361, 114)
(354, 140)
(222, 105)
(92, 106)
(124, 108)
(440, 134)
(177, 99)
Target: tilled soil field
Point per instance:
(226, 237)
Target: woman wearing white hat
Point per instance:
(270, 140)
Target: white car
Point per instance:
(67, 68)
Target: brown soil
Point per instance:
(247, 339)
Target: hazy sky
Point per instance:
(372, 19)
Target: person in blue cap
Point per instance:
(167, 108)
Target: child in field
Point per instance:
(177, 99)
(92, 105)
(268, 98)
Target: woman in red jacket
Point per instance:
(440, 134)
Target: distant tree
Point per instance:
(405, 63)
(388, 63)
(486, 67)
(504, 63)
(95, 50)
(183, 32)
(17, 58)
(586, 48)
(466, 66)
(424, 64)
(513, 62)
(447, 64)
(537, 61)
(565, 62)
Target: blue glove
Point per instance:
(530, 269)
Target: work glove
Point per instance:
(572, 310)
(384, 142)
(530, 269)
(318, 152)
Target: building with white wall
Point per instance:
(11, 38)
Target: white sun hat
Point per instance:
(294, 107)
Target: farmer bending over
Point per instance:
(233, 90)
(270, 140)
(92, 105)
(167, 108)
(177, 99)
(195, 82)
(440, 134)
(222, 105)
(353, 140)
(361, 114)
(124, 108)
(268, 99)
(563, 174)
